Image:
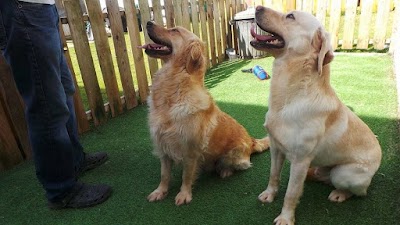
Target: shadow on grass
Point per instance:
(222, 71)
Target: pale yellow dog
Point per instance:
(306, 121)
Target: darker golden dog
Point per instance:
(306, 121)
(186, 125)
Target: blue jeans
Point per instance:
(34, 51)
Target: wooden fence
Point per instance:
(353, 24)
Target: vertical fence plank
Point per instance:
(229, 16)
(299, 4)
(169, 13)
(178, 12)
(235, 10)
(195, 17)
(349, 24)
(308, 6)
(204, 32)
(321, 11)
(217, 27)
(382, 18)
(85, 61)
(224, 24)
(278, 5)
(157, 12)
(145, 15)
(10, 154)
(14, 110)
(134, 36)
(124, 68)
(186, 15)
(290, 5)
(334, 22)
(395, 38)
(365, 19)
(211, 33)
(104, 56)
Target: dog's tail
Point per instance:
(260, 145)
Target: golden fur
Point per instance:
(306, 121)
(185, 123)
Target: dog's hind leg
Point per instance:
(322, 174)
(236, 159)
(162, 189)
(350, 179)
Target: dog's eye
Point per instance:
(290, 16)
(174, 30)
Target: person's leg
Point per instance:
(71, 125)
(34, 52)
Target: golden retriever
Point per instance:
(186, 125)
(306, 121)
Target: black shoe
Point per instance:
(83, 195)
(92, 160)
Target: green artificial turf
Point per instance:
(365, 83)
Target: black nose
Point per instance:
(259, 8)
(149, 24)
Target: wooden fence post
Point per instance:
(104, 56)
(85, 61)
(334, 23)
(363, 30)
(217, 27)
(395, 39)
(157, 12)
(185, 15)
(382, 18)
(145, 15)
(169, 13)
(14, 142)
(133, 31)
(224, 24)
(321, 11)
(121, 53)
(195, 17)
(204, 33)
(211, 33)
(349, 22)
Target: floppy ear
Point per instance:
(321, 42)
(195, 58)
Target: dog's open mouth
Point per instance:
(158, 48)
(270, 40)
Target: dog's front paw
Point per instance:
(281, 220)
(267, 196)
(156, 195)
(183, 197)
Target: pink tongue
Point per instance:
(259, 37)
